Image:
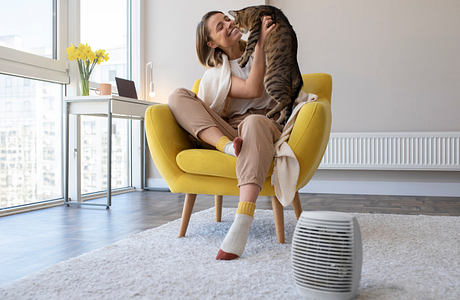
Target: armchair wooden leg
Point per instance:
(186, 213)
(297, 206)
(218, 203)
(278, 213)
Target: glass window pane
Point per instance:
(30, 141)
(94, 154)
(27, 25)
(104, 25)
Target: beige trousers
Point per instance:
(257, 131)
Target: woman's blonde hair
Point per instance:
(208, 56)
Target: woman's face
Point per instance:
(222, 31)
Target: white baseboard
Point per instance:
(433, 189)
(156, 184)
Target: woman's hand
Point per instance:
(266, 28)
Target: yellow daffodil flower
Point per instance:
(86, 60)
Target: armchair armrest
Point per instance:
(165, 139)
(310, 136)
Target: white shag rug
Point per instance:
(404, 257)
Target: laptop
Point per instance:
(126, 88)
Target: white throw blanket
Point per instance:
(215, 86)
(213, 90)
(286, 167)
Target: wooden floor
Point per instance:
(32, 241)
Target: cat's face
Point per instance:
(244, 18)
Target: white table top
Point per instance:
(106, 99)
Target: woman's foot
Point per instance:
(237, 144)
(230, 147)
(222, 255)
(233, 245)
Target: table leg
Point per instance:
(109, 155)
(143, 167)
(66, 171)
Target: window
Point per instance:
(31, 109)
(28, 26)
(34, 36)
(30, 141)
(31, 46)
(94, 154)
(114, 38)
(104, 25)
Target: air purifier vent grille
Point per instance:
(322, 254)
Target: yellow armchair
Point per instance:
(202, 171)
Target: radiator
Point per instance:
(393, 151)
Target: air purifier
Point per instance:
(326, 255)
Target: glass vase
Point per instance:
(84, 87)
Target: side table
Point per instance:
(112, 107)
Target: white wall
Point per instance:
(395, 67)
(394, 64)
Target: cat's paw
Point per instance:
(271, 114)
(282, 119)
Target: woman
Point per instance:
(229, 114)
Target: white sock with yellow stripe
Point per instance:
(230, 147)
(233, 245)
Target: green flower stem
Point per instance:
(85, 87)
(85, 68)
(85, 73)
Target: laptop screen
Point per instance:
(126, 88)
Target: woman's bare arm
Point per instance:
(253, 86)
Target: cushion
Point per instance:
(209, 162)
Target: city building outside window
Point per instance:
(30, 141)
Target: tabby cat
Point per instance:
(283, 79)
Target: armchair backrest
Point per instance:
(319, 84)
(196, 86)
